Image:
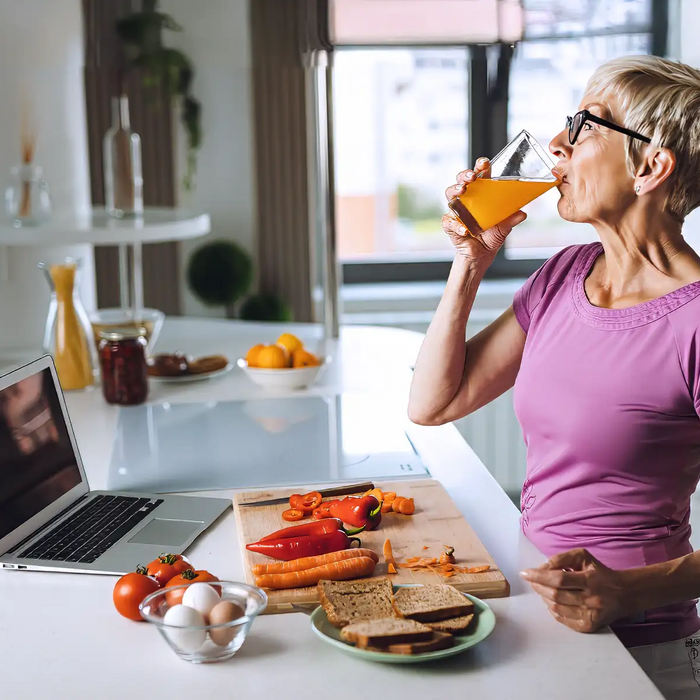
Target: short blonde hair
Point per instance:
(660, 99)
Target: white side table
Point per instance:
(95, 227)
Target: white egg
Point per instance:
(202, 597)
(184, 616)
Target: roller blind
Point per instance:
(401, 22)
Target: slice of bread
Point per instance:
(352, 601)
(432, 603)
(440, 640)
(385, 632)
(454, 625)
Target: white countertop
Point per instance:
(61, 638)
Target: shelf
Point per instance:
(158, 225)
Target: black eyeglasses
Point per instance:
(575, 124)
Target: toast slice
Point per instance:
(440, 640)
(351, 601)
(432, 603)
(385, 632)
(454, 625)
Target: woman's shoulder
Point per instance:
(552, 277)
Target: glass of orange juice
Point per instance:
(521, 172)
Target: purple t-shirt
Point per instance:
(608, 401)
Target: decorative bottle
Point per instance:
(122, 164)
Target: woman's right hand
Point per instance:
(481, 248)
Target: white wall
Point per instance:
(41, 54)
(216, 37)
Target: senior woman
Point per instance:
(602, 345)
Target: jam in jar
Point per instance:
(123, 363)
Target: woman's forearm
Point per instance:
(653, 586)
(439, 369)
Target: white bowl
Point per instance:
(284, 378)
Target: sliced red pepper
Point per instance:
(307, 502)
(289, 548)
(314, 528)
(292, 515)
(359, 511)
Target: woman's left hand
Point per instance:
(579, 591)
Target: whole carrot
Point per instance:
(336, 571)
(311, 562)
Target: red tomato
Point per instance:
(189, 576)
(167, 566)
(129, 592)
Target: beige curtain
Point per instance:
(283, 37)
(151, 118)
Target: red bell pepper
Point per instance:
(359, 511)
(316, 528)
(288, 548)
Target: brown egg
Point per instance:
(223, 612)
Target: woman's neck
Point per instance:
(645, 256)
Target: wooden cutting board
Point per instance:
(436, 522)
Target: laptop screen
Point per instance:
(37, 461)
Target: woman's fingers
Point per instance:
(481, 169)
(453, 226)
(557, 595)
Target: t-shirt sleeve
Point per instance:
(530, 295)
(687, 334)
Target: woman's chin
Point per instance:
(566, 210)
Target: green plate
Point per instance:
(479, 630)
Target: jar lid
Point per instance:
(127, 333)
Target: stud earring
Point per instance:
(637, 188)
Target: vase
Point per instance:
(123, 178)
(28, 198)
(68, 332)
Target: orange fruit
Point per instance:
(289, 342)
(304, 358)
(273, 357)
(252, 356)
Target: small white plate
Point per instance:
(186, 378)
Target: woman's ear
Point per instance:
(656, 167)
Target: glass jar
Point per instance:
(123, 362)
(28, 198)
(68, 333)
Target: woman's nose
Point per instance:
(559, 146)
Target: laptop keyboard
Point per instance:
(92, 530)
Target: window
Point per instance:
(401, 130)
(408, 119)
(566, 40)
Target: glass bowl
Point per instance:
(150, 319)
(197, 644)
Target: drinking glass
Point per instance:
(521, 172)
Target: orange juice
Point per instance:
(487, 202)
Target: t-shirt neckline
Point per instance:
(631, 317)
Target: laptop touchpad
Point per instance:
(166, 532)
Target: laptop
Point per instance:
(50, 520)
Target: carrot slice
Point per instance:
(426, 547)
(407, 507)
(386, 507)
(391, 569)
(410, 560)
(389, 496)
(396, 503)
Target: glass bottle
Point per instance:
(68, 332)
(122, 164)
(28, 199)
(123, 362)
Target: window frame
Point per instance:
(488, 124)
